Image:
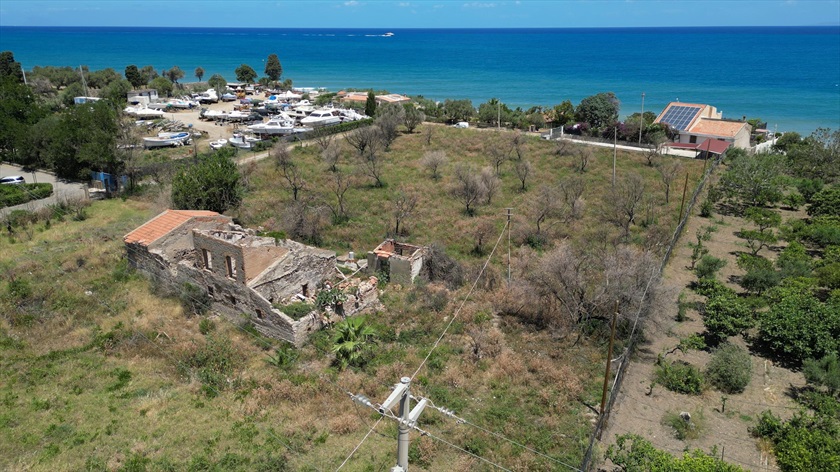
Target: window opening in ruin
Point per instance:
(259, 313)
(208, 259)
(210, 291)
(305, 290)
(232, 300)
(231, 267)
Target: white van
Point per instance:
(461, 124)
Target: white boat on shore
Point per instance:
(168, 139)
(241, 141)
(208, 96)
(218, 144)
(213, 114)
(143, 113)
(281, 124)
(349, 114)
(322, 117)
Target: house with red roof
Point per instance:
(696, 123)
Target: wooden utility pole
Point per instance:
(508, 225)
(609, 362)
(682, 203)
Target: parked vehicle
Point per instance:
(12, 180)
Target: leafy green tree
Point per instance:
(370, 104)
(760, 274)
(826, 202)
(793, 200)
(794, 261)
(9, 67)
(765, 219)
(413, 117)
(817, 156)
(245, 73)
(213, 184)
(149, 73)
(102, 78)
(83, 139)
(725, 316)
(352, 342)
(562, 114)
(709, 266)
(67, 96)
(174, 74)
(162, 85)
(598, 110)
(804, 443)
(798, 325)
(787, 141)
(134, 77)
(824, 372)
(458, 110)
(218, 83)
(199, 73)
(730, 369)
(753, 180)
(273, 68)
(632, 453)
(493, 112)
(117, 91)
(19, 111)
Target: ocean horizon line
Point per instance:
(518, 28)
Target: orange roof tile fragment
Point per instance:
(162, 224)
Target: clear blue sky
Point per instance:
(392, 14)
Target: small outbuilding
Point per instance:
(401, 261)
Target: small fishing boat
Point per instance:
(218, 144)
(169, 139)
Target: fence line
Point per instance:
(631, 344)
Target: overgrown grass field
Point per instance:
(100, 372)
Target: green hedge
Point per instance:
(11, 195)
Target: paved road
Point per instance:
(62, 189)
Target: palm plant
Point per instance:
(351, 341)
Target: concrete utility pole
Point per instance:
(407, 417)
(615, 150)
(508, 225)
(642, 119)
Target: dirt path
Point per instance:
(640, 409)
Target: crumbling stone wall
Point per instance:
(303, 270)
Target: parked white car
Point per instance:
(461, 124)
(12, 180)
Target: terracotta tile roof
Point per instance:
(162, 224)
(717, 127)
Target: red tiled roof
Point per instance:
(162, 224)
(714, 146)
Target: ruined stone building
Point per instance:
(241, 273)
(401, 261)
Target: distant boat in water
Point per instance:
(388, 34)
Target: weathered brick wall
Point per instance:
(219, 251)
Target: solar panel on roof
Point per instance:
(680, 116)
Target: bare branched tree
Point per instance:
(571, 190)
(651, 154)
(523, 170)
(371, 162)
(291, 173)
(546, 203)
(492, 183)
(338, 186)
(624, 201)
(305, 220)
(517, 145)
(332, 155)
(562, 147)
(483, 229)
(323, 138)
(405, 204)
(468, 188)
(668, 171)
(497, 155)
(389, 117)
(434, 161)
(360, 138)
(128, 148)
(583, 154)
(428, 131)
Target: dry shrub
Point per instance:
(390, 374)
(509, 366)
(485, 342)
(344, 424)
(559, 376)
(522, 301)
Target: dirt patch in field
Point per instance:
(640, 408)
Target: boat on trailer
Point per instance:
(167, 139)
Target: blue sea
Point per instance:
(787, 76)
